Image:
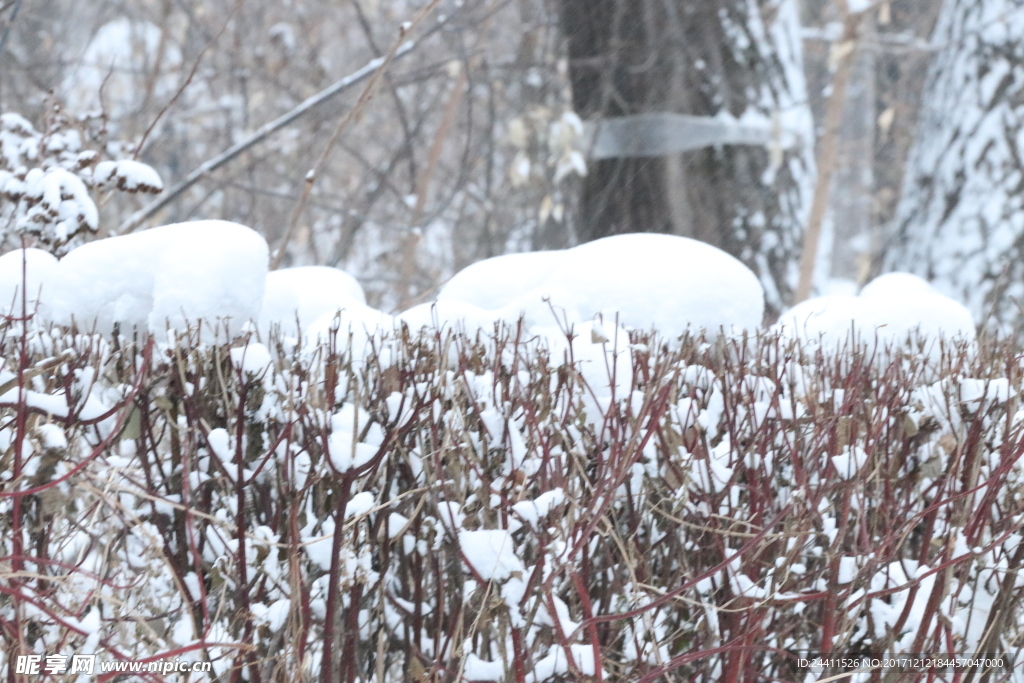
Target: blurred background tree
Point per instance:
(721, 58)
(479, 140)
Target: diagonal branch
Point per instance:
(139, 217)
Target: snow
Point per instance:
(52, 436)
(350, 330)
(830, 319)
(531, 511)
(128, 175)
(396, 524)
(542, 306)
(252, 359)
(61, 195)
(847, 569)
(360, 504)
(455, 315)
(555, 663)
(164, 278)
(890, 310)
(498, 281)
(477, 670)
(306, 294)
(899, 285)
(698, 286)
(850, 461)
(662, 281)
(601, 354)
(319, 549)
(976, 392)
(32, 265)
(490, 553)
(348, 454)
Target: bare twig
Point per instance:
(343, 124)
(188, 80)
(139, 217)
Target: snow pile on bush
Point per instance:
(296, 297)
(496, 510)
(161, 279)
(891, 310)
(29, 267)
(671, 284)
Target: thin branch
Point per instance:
(188, 81)
(7, 29)
(343, 124)
(139, 217)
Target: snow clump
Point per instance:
(34, 267)
(890, 310)
(305, 294)
(650, 280)
(162, 278)
(491, 554)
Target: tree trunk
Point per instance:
(960, 221)
(705, 58)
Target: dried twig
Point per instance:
(343, 124)
(188, 80)
(342, 85)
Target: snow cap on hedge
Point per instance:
(664, 282)
(890, 310)
(164, 277)
(496, 282)
(306, 293)
(34, 267)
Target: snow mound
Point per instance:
(33, 266)
(490, 553)
(162, 278)
(651, 280)
(890, 310)
(666, 282)
(899, 285)
(496, 282)
(538, 308)
(543, 306)
(306, 294)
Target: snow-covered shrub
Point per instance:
(494, 510)
(47, 179)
